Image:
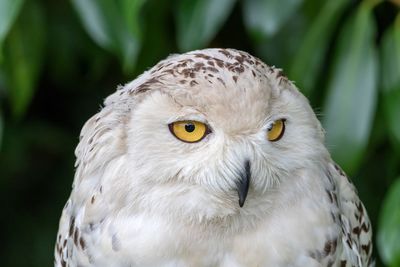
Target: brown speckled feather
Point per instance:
(354, 222)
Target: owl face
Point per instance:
(218, 125)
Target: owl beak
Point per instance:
(243, 184)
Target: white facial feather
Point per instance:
(142, 197)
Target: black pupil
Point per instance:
(189, 127)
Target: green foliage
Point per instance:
(390, 80)
(389, 231)
(8, 11)
(113, 25)
(59, 59)
(312, 50)
(198, 21)
(266, 17)
(1, 127)
(23, 55)
(351, 99)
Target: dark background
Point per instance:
(60, 59)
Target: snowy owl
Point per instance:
(210, 158)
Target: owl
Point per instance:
(210, 158)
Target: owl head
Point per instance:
(208, 133)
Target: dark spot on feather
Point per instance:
(146, 86)
(280, 74)
(222, 81)
(366, 248)
(71, 225)
(365, 227)
(348, 241)
(339, 170)
(239, 69)
(82, 243)
(199, 55)
(333, 217)
(360, 208)
(226, 53)
(76, 235)
(186, 72)
(212, 69)
(356, 231)
(193, 83)
(168, 71)
(240, 59)
(329, 195)
(220, 63)
(335, 198)
(330, 246)
(181, 63)
(198, 65)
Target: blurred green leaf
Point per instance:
(71, 48)
(266, 17)
(95, 22)
(113, 25)
(388, 235)
(23, 56)
(9, 10)
(157, 40)
(199, 20)
(1, 128)
(352, 91)
(312, 8)
(280, 49)
(390, 79)
(306, 65)
(131, 11)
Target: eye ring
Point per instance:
(189, 131)
(276, 130)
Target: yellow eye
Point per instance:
(276, 130)
(189, 131)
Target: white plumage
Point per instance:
(257, 189)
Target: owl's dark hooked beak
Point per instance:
(243, 184)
